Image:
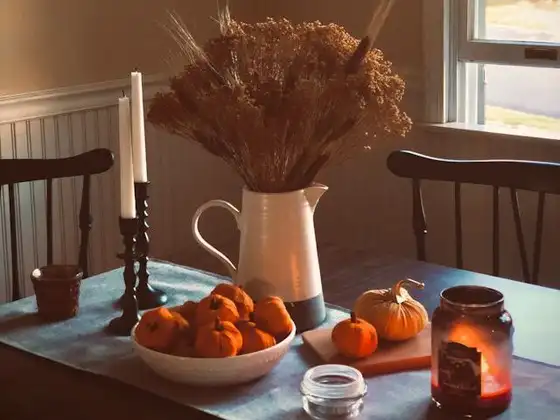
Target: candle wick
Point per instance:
(123, 94)
(136, 69)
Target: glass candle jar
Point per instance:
(472, 351)
(333, 392)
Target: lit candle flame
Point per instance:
(484, 367)
(490, 367)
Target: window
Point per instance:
(501, 62)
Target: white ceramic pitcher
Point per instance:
(278, 250)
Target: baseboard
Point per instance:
(65, 100)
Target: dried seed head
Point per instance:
(275, 101)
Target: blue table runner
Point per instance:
(83, 344)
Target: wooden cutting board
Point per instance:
(389, 357)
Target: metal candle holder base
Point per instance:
(148, 297)
(124, 324)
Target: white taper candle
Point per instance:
(128, 204)
(138, 132)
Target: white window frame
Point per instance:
(451, 42)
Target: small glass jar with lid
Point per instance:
(333, 392)
(472, 352)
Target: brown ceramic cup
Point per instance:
(57, 290)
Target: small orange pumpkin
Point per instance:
(182, 323)
(184, 329)
(254, 339)
(183, 348)
(157, 328)
(216, 306)
(242, 300)
(354, 337)
(188, 310)
(220, 339)
(272, 316)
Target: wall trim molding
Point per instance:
(65, 100)
(32, 105)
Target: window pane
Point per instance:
(522, 97)
(519, 20)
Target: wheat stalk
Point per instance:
(275, 101)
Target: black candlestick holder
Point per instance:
(123, 324)
(148, 296)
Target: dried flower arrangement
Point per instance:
(279, 101)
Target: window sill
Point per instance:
(526, 134)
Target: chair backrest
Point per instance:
(14, 171)
(540, 177)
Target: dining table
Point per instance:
(77, 370)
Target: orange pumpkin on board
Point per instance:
(354, 337)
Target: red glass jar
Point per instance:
(472, 352)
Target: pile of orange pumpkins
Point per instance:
(225, 323)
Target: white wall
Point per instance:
(369, 209)
(46, 44)
(366, 207)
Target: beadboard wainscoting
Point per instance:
(74, 120)
(50, 137)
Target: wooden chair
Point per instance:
(14, 171)
(540, 177)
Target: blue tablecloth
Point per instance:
(83, 344)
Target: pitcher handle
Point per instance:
(205, 244)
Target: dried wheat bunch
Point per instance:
(276, 101)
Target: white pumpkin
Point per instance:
(393, 312)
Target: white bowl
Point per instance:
(214, 371)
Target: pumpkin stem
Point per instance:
(251, 317)
(218, 326)
(214, 303)
(396, 289)
(353, 318)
